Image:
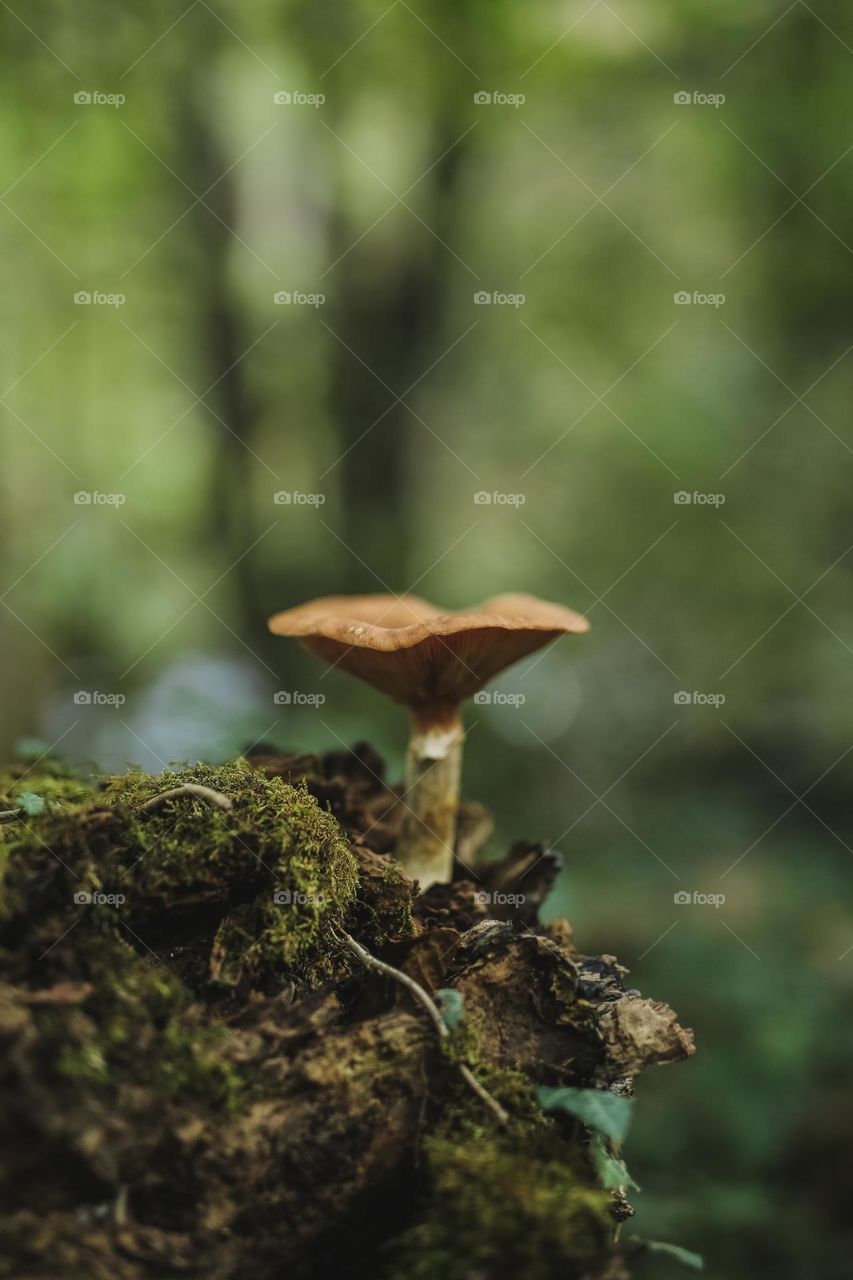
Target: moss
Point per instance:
(277, 863)
(52, 781)
(263, 884)
(382, 912)
(499, 1205)
(513, 1089)
(194, 1062)
(136, 1026)
(513, 1202)
(395, 919)
(83, 1064)
(46, 860)
(272, 876)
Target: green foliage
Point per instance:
(451, 1005)
(684, 1256)
(611, 1171)
(30, 803)
(600, 1110)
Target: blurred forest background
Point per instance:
(627, 154)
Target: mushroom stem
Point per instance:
(431, 795)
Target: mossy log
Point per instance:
(199, 1078)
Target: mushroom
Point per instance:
(430, 661)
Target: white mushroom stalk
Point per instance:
(431, 789)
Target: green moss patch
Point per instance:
(504, 1205)
(51, 781)
(276, 862)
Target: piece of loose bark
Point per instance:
(638, 1033)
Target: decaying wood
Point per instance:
(168, 1114)
(438, 1022)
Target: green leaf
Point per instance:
(30, 803)
(612, 1172)
(451, 1005)
(597, 1108)
(684, 1256)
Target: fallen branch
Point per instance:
(11, 815)
(188, 789)
(379, 966)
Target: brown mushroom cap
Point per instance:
(418, 654)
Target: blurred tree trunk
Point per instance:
(810, 296)
(221, 342)
(394, 323)
(388, 295)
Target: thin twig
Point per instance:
(11, 815)
(379, 966)
(188, 789)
